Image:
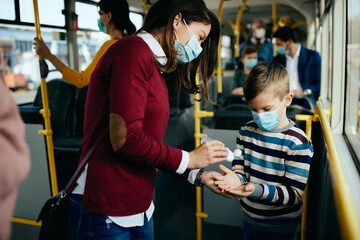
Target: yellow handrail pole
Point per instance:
(274, 26)
(46, 113)
(25, 221)
(308, 121)
(145, 6)
(308, 129)
(198, 135)
(197, 115)
(348, 218)
(219, 68)
(298, 24)
(237, 27)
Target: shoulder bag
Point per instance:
(54, 213)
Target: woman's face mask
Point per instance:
(260, 33)
(250, 63)
(102, 28)
(190, 51)
(267, 121)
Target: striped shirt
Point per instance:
(278, 163)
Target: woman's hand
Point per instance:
(208, 153)
(41, 49)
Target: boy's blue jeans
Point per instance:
(251, 233)
(84, 224)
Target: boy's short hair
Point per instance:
(248, 50)
(285, 33)
(267, 76)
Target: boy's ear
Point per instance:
(288, 99)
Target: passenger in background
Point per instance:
(249, 60)
(258, 40)
(303, 65)
(270, 176)
(128, 93)
(114, 20)
(14, 158)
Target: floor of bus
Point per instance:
(174, 216)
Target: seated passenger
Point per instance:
(259, 41)
(248, 61)
(303, 65)
(114, 20)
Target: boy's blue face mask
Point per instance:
(250, 63)
(102, 28)
(267, 121)
(188, 52)
(282, 51)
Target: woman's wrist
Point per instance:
(198, 179)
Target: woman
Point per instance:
(114, 20)
(127, 92)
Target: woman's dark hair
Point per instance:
(162, 14)
(120, 14)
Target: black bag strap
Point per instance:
(71, 184)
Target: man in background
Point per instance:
(258, 40)
(303, 65)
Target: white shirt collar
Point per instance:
(154, 46)
(297, 54)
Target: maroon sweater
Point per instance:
(127, 82)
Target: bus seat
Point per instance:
(79, 112)
(302, 105)
(61, 101)
(62, 104)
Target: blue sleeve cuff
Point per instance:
(258, 192)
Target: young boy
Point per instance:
(248, 60)
(271, 174)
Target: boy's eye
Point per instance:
(267, 109)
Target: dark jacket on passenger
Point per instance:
(309, 69)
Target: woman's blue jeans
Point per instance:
(84, 224)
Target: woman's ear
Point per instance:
(177, 20)
(108, 17)
(288, 99)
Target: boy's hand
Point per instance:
(228, 181)
(208, 179)
(243, 190)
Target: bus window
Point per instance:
(89, 38)
(7, 9)
(330, 55)
(352, 127)
(19, 68)
(50, 14)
